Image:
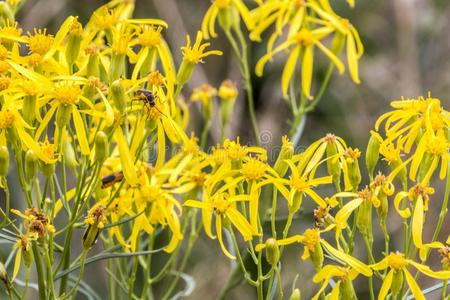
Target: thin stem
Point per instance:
(40, 272)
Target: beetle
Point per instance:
(111, 179)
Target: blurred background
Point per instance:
(407, 53)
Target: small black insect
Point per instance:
(111, 179)
(148, 98)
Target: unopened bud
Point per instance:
(333, 161)
(31, 164)
(227, 94)
(63, 115)
(296, 295)
(397, 282)
(29, 109)
(69, 154)
(74, 42)
(185, 72)
(364, 217)
(4, 161)
(287, 151)
(118, 95)
(317, 256)
(372, 154)
(272, 252)
(101, 147)
(347, 291)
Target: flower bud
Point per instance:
(364, 217)
(296, 202)
(287, 151)
(73, 42)
(4, 161)
(228, 17)
(333, 160)
(29, 109)
(317, 256)
(346, 290)
(101, 147)
(118, 95)
(95, 221)
(63, 115)
(93, 65)
(296, 295)
(69, 154)
(117, 66)
(47, 169)
(31, 164)
(272, 252)
(354, 173)
(397, 283)
(185, 72)
(227, 94)
(372, 154)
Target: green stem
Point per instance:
(74, 289)
(39, 271)
(204, 135)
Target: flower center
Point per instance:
(396, 261)
(40, 42)
(310, 238)
(254, 169)
(151, 37)
(221, 204)
(305, 38)
(67, 94)
(299, 184)
(6, 119)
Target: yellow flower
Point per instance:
(221, 203)
(304, 43)
(313, 244)
(398, 269)
(345, 277)
(196, 53)
(226, 10)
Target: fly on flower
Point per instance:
(148, 98)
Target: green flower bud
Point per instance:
(101, 147)
(63, 115)
(227, 94)
(31, 164)
(117, 66)
(372, 154)
(29, 109)
(185, 72)
(118, 95)
(346, 290)
(272, 252)
(73, 42)
(95, 221)
(364, 217)
(317, 256)
(93, 65)
(287, 151)
(4, 161)
(397, 282)
(228, 16)
(296, 295)
(47, 169)
(296, 203)
(69, 155)
(354, 173)
(333, 160)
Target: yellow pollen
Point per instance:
(67, 94)
(234, 150)
(48, 149)
(299, 184)
(310, 238)
(221, 4)
(40, 42)
(10, 29)
(254, 169)
(151, 192)
(438, 145)
(204, 93)
(305, 37)
(34, 59)
(6, 119)
(120, 46)
(396, 261)
(221, 204)
(105, 18)
(4, 66)
(228, 90)
(151, 37)
(330, 138)
(156, 78)
(3, 52)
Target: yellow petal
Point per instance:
(80, 131)
(387, 282)
(219, 237)
(17, 263)
(126, 159)
(289, 70)
(415, 289)
(307, 70)
(352, 59)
